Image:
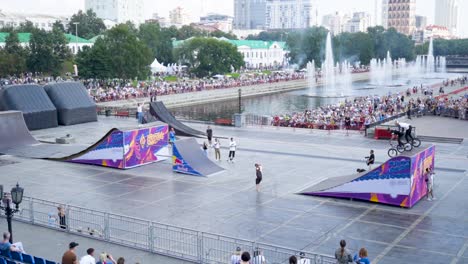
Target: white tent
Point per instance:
(157, 67)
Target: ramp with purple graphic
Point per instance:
(189, 158)
(119, 148)
(399, 181)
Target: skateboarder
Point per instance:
(232, 150)
(258, 179)
(209, 134)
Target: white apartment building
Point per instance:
(446, 14)
(358, 23)
(290, 14)
(249, 14)
(335, 23)
(42, 21)
(119, 11)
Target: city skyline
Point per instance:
(197, 8)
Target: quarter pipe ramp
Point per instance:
(159, 110)
(189, 158)
(399, 181)
(118, 148)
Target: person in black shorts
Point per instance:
(347, 122)
(370, 159)
(258, 179)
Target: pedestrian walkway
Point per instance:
(51, 244)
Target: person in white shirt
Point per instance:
(217, 148)
(88, 259)
(408, 129)
(232, 150)
(303, 259)
(236, 257)
(140, 113)
(258, 258)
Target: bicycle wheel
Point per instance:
(416, 142)
(392, 153)
(408, 147)
(400, 149)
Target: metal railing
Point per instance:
(182, 243)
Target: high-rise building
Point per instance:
(399, 14)
(179, 17)
(334, 22)
(290, 14)
(119, 11)
(421, 22)
(446, 14)
(249, 14)
(358, 23)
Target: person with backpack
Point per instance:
(342, 255)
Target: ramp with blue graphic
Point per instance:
(189, 158)
(399, 181)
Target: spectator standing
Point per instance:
(258, 257)
(217, 149)
(362, 257)
(209, 134)
(205, 148)
(105, 258)
(6, 246)
(370, 159)
(259, 175)
(245, 258)
(120, 260)
(303, 259)
(430, 184)
(236, 257)
(342, 255)
(140, 113)
(292, 260)
(62, 217)
(69, 257)
(172, 136)
(232, 150)
(89, 258)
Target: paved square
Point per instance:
(227, 203)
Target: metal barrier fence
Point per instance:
(167, 240)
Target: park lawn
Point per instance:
(170, 78)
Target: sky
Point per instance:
(200, 7)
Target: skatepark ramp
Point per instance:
(38, 110)
(399, 181)
(121, 148)
(189, 158)
(74, 106)
(159, 110)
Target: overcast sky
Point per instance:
(200, 7)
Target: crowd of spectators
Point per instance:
(114, 90)
(356, 113)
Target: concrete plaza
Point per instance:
(227, 203)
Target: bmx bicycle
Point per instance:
(396, 148)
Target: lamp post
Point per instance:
(76, 36)
(15, 196)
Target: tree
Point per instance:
(354, 47)
(14, 56)
(89, 24)
(130, 57)
(48, 50)
(277, 35)
(207, 56)
(307, 45)
(58, 26)
(94, 62)
(157, 40)
(26, 27)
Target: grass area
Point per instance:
(234, 75)
(266, 72)
(170, 78)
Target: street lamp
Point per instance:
(15, 196)
(76, 36)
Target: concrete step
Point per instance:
(441, 139)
